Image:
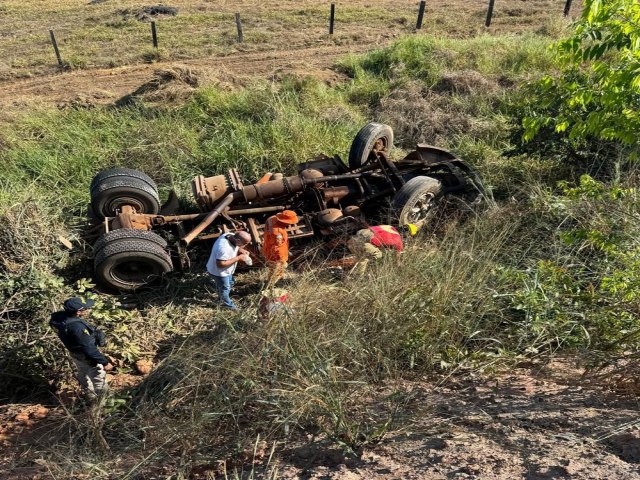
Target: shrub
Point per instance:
(595, 98)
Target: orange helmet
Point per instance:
(287, 216)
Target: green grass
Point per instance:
(265, 127)
(543, 270)
(426, 58)
(454, 93)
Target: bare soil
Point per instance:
(538, 422)
(106, 86)
(535, 424)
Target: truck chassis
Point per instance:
(138, 240)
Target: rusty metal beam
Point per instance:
(208, 220)
(249, 211)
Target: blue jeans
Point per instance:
(223, 287)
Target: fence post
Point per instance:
(154, 35)
(332, 17)
(55, 47)
(489, 13)
(420, 14)
(567, 8)
(239, 26)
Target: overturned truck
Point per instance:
(138, 240)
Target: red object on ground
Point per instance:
(270, 303)
(386, 236)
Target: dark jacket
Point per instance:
(77, 336)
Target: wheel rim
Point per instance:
(421, 210)
(117, 203)
(135, 272)
(378, 146)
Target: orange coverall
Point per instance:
(275, 248)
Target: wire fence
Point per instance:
(155, 36)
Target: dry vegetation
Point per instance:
(114, 32)
(399, 373)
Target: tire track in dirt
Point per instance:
(103, 86)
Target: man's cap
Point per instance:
(287, 216)
(75, 304)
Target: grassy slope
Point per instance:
(497, 286)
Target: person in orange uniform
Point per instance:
(275, 246)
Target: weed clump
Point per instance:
(467, 82)
(168, 85)
(422, 115)
(148, 13)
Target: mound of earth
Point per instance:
(148, 13)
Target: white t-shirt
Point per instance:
(222, 249)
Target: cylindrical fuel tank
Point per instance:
(273, 189)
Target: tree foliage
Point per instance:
(596, 95)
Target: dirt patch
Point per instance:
(144, 367)
(83, 101)
(122, 380)
(146, 14)
(106, 86)
(537, 422)
(16, 419)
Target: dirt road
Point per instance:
(104, 86)
(532, 424)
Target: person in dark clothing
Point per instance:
(82, 341)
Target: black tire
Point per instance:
(129, 263)
(371, 137)
(126, 233)
(122, 172)
(111, 193)
(416, 201)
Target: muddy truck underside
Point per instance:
(138, 240)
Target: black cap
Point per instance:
(76, 303)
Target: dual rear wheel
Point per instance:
(127, 259)
(116, 187)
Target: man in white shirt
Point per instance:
(227, 251)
